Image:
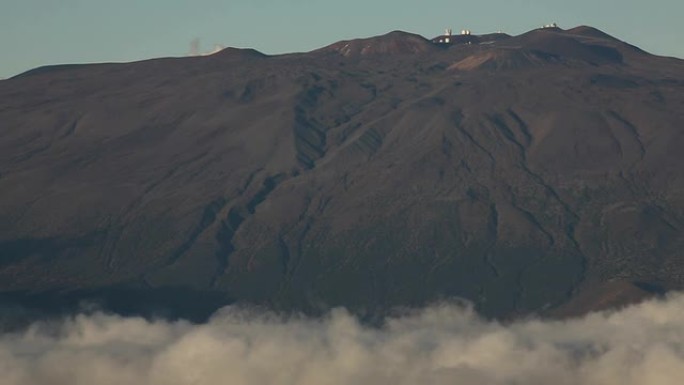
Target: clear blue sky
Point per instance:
(39, 32)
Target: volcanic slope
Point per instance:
(535, 173)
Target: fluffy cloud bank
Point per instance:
(448, 344)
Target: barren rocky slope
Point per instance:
(535, 173)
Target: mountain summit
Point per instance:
(393, 43)
(538, 173)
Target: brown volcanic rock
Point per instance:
(503, 59)
(310, 180)
(393, 43)
(564, 45)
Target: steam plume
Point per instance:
(196, 48)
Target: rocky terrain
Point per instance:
(533, 174)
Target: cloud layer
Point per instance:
(447, 344)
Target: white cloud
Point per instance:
(640, 345)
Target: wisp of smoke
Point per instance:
(447, 344)
(196, 48)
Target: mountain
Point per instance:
(531, 174)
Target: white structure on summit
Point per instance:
(552, 25)
(449, 38)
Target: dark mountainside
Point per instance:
(535, 174)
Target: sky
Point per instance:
(41, 32)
